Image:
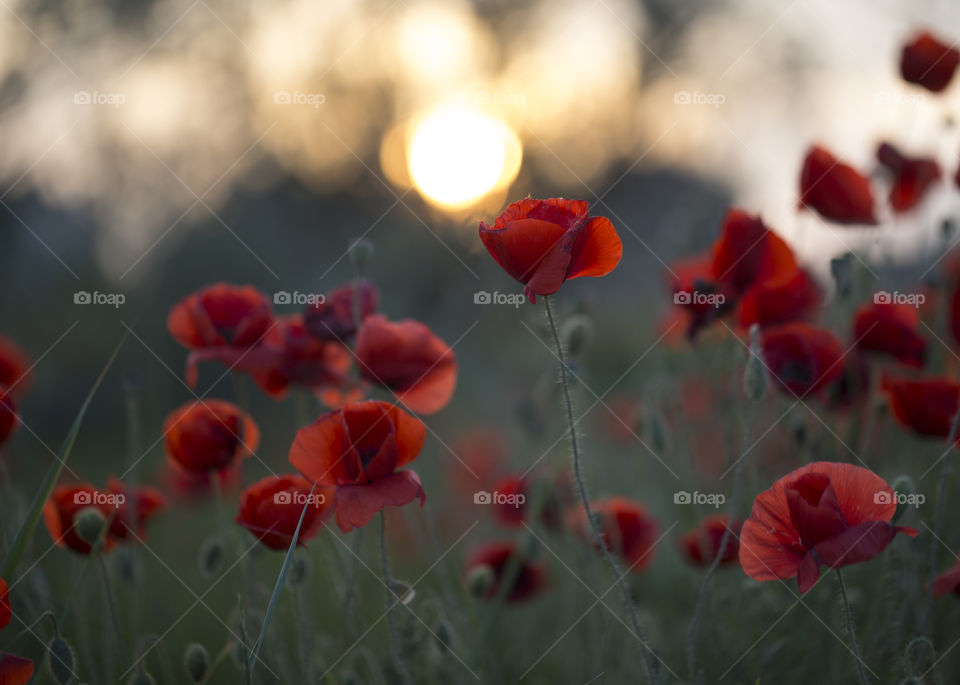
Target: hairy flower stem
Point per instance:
(584, 498)
(391, 601)
(935, 542)
(727, 533)
(849, 621)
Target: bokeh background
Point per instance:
(150, 148)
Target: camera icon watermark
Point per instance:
(697, 298)
(300, 499)
(901, 499)
(298, 298)
(513, 299)
(515, 500)
(685, 97)
(915, 300)
(713, 499)
(285, 97)
(95, 498)
(85, 97)
(96, 297)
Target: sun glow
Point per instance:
(456, 157)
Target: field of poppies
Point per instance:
(542, 470)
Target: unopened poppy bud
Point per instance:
(443, 636)
(577, 333)
(211, 557)
(361, 254)
(142, 678)
(61, 660)
(655, 431)
(89, 523)
(755, 374)
(196, 660)
(480, 580)
(904, 491)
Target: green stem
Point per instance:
(388, 580)
(111, 604)
(727, 534)
(584, 498)
(849, 620)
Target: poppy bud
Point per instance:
(577, 333)
(902, 487)
(361, 254)
(196, 660)
(142, 678)
(841, 268)
(656, 431)
(89, 524)
(443, 635)
(61, 660)
(480, 580)
(755, 375)
(211, 557)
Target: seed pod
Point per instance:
(904, 491)
(196, 660)
(480, 580)
(361, 254)
(61, 661)
(89, 523)
(211, 557)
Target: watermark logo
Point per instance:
(300, 499)
(285, 97)
(95, 498)
(901, 499)
(890, 97)
(515, 500)
(485, 98)
(85, 97)
(697, 298)
(96, 297)
(297, 297)
(913, 299)
(685, 97)
(513, 299)
(714, 499)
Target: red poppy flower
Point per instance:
(890, 329)
(406, 357)
(531, 578)
(59, 513)
(209, 435)
(912, 177)
(836, 190)
(698, 292)
(8, 414)
(5, 613)
(801, 359)
(822, 513)
(358, 448)
(948, 581)
(15, 670)
(955, 315)
(927, 62)
(925, 406)
(778, 302)
(271, 509)
(701, 545)
(14, 366)
(627, 529)
(219, 317)
(335, 317)
(543, 243)
(136, 508)
(748, 253)
(514, 495)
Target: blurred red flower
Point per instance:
(912, 177)
(543, 243)
(772, 303)
(5, 613)
(927, 62)
(955, 314)
(801, 359)
(358, 448)
(837, 191)
(890, 329)
(925, 406)
(15, 670)
(947, 582)
(531, 578)
(8, 414)
(208, 435)
(335, 317)
(409, 359)
(627, 529)
(695, 276)
(701, 545)
(220, 317)
(822, 513)
(134, 511)
(515, 495)
(271, 509)
(15, 370)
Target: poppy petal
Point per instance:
(597, 249)
(355, 505)
(317, 451)
(15, 670)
